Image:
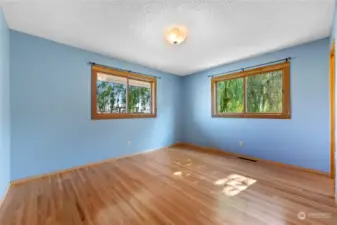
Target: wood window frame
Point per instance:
(95, 69)
(285, 114)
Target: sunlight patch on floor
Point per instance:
(178, 173)
(185, 163)
(234, 184)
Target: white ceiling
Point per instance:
(219, 31)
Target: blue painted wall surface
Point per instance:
(50, 106)
(4, 107)
(52, 129)
(302, 141)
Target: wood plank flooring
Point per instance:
(173, 186)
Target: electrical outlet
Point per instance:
(241, 144)
(129, 142)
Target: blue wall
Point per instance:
(4, 107)
(52, 129)
(50, 106)
(302, 141)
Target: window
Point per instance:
(257, 93)
(118, 94)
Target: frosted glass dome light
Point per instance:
(176, 35)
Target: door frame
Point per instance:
(332, 112)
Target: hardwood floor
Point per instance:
(173, 186)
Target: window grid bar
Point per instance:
(244, 95)
(127, 96)
(151, 92)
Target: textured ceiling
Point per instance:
(219, 31)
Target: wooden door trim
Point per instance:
(332, 110)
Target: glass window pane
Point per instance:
(139, 96)
(230, 96)
(264, 92)
(111, 94)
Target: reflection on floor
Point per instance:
(173, 186)
(234, 184)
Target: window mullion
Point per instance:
(215, 97)
(127, 95)
(244, 96)
(151, 98)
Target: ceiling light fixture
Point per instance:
(176, 35)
